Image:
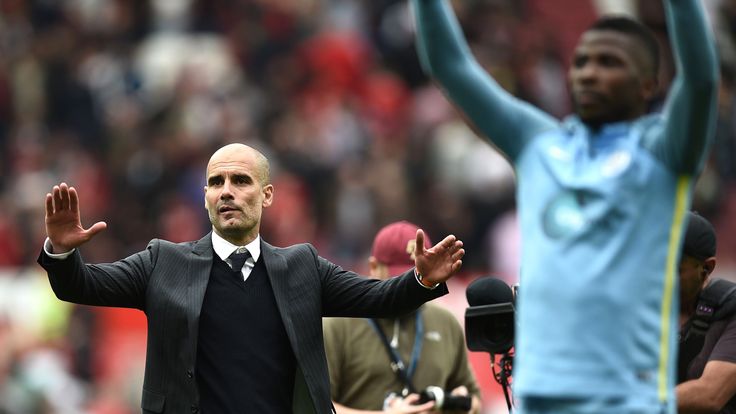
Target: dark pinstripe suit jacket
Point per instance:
(167, 281)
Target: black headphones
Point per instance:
(704, 272)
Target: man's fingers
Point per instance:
(64, 189)
(73, 199)
(419, 249)
(461, 390)
(412, 406)
(62, 197)
(448, 242)
(96, 228)
(442, 246)
(49, 204)
(456, 246)
(454, 251)
(411, 398)
(57, 198)
(424, 407)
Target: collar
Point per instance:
(573, 123)
(224, 248)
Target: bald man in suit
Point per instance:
(234, 323)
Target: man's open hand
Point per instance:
(63, 225)
(441, 261)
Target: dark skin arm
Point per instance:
(710, 392)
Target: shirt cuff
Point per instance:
(418, 278)
(57, 256)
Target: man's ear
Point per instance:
(709, 265)
(372, 264)
(377, 269)
(267, 195)
(649, 88)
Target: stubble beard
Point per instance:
(232, 229)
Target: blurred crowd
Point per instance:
(127, 99)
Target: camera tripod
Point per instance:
(503, 375)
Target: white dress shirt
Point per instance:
(224, 249)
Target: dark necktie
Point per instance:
(238, 260)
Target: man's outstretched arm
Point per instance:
(122, 283)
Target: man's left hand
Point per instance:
(440, 262)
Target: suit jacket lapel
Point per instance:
(200, 267)
(278, 276)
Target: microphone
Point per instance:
(488, 291)
(489, 321)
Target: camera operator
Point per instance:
(393, 365)
(707, 382)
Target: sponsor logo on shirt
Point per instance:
(563, 216)
(559, 154)
(616, 163)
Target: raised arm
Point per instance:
(690, 111)
(507, 121)
(63, 224)
(122, 283)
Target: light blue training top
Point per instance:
(601, 215)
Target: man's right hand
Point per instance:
(63, 225)
(408, 405)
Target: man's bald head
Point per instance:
(242, 151)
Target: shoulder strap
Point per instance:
(397, 366)
(721, 294)
(716, 301)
